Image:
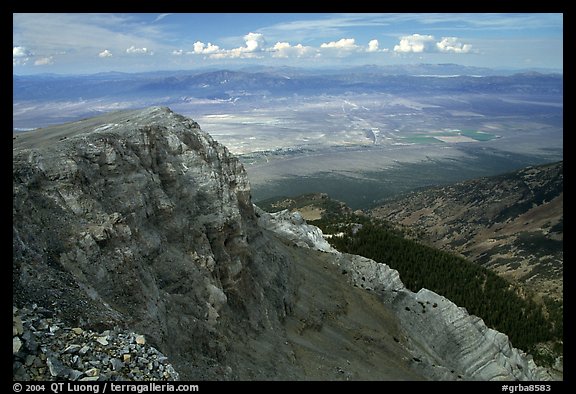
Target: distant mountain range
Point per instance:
(262, 81)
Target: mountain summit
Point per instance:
(140, 221)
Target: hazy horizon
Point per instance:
(259, 67)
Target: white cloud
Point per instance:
(281, 46)
(201, 48)
(415, 43)
(285, 50)
(44, 61)
(418, 43)
(256, 48)
(254, 42)
(178, 52)
(20, 52)
(137, 51)
(105, 53)
(342, 47)
(373, 46)
(20, 56)
(452, 45)
(344, 43)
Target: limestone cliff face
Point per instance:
(291, 226)
(141, 219)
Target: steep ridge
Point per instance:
(446, 342)
(139, 221)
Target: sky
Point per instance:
(92, 43)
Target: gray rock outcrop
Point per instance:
(443, 336)
(291, 226)
(140, 219)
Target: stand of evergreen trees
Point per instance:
(482, 292)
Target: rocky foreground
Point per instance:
(139, 222)
(44, 348)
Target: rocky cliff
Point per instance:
(138, 221)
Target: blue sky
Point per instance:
(90, 43)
